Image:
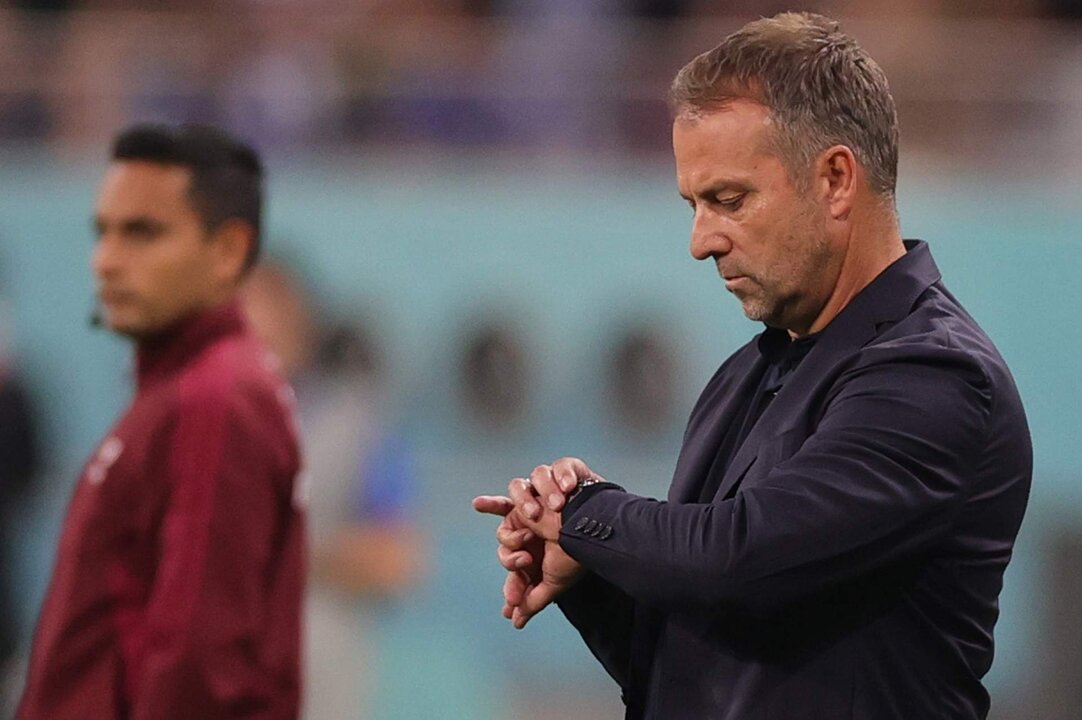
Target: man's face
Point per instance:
(768, 240)
(152, 260)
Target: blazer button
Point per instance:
(590, 526)
(605, 533)
(582, 522)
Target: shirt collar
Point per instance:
(776, 346)
(170, 350)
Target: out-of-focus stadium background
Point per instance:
(483, 190)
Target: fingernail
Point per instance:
(522, 562)
(531, 509)
(555, 500)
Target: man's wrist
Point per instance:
(583, 491)
(582, 485)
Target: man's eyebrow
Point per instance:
(138, 223)
(719, 186)
(141, 221)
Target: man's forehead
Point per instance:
(735, 118)
(147, 174)
(136, 183)
(730, 142)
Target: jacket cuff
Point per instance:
(585, 494)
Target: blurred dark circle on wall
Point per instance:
(494, 375)
(350, 348)
(641, 373)
(25, 116)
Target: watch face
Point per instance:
(583, 484)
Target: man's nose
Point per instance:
(707, 239)
(105, 260)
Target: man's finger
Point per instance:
(546, 487)
(523, 496)
(568, 471)
(535, 598)
(512, 560)
(512, 537)
(493, 504)
(514, 588)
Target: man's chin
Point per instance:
(127, 327)
(752, 310)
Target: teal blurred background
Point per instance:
(570, 256)
(437, 167)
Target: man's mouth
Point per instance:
(109, 296)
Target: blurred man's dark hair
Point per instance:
(227, 175)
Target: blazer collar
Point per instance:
(886, 299)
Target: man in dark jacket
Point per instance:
(851, 481)
(179, 574)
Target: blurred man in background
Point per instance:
(851, 481)
(177, 586)
(365, 547)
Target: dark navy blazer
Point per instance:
(849, 566)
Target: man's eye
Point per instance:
(142, 233)
(731, 202)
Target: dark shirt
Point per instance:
(781, 354)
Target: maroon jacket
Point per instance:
(179, 574)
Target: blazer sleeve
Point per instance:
(880, 478)
(218, 539)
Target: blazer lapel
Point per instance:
(708, 425)
(797, 395)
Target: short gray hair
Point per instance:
(820, 86)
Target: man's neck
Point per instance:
(873, 246)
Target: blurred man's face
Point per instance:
(152, 259)
(768, 241)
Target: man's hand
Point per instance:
(548, 487)
(519, 551)
(538, 568)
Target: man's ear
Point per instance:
(836, 179)
(231, 242)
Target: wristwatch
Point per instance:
(583, 484)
